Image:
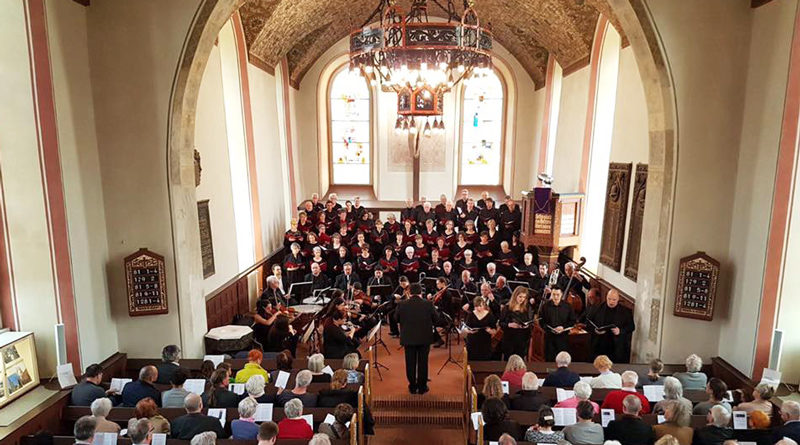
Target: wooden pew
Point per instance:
(599, 394)
(70, 440)
(133, 365)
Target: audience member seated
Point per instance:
(206, 369)
(84, 430)
(492, 387)
(716, 390)
(495, 423)
(140, 431)
(283, 362)
(245, 428)
(194, 421)
(252, 367)
(692, 378)
(169, 364)
(338, 393)
(293, 426)
(89, 389)
(267, 433)
(173, 398)
(543, 431)
(319, 439)
(100, 409)
(790, 414)
(350, 363)
(316, 363)
(582, 393)
(673, 390)
(717, 431)
(228, 369)
(669, 439)
(607, 378)
(630, 429)
(300, 391)
(761, 396)
(614, 399)
(255, 390)
(218, 395)
(653, 376)
(515, 369)
(147, 409)
(528, 399)
(339, 430)
(676, 423)
(207, 438)
(585, 431)
(142, 388)
(562, 377)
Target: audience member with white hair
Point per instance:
(607, 378)
(300, 391)
(615, 398)
(562, 377)
(784, 441)
(320, 439)
(717, 431)
(206, 438)
(506, 439)
(693, 378)
(293, 426)
(762, 394)
(790, 414)
(630, 429)
(675, 414)
(100, 409)
(673, 390)
(528, 399)
(194, 421)
(245, 428)
(255, 389)
(582, 393)
(140, 431)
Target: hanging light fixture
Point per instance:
(418, 59)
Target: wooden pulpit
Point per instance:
(551, 221)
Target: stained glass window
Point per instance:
(350, 128)
(482, 131)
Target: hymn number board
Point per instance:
(697, 287)
(146, 278)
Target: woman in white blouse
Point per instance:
(607, 378)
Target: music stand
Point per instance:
(382, 290)
(515, 284)
(319, 297)
(300, 291)
(379, 311)
(308, 333)
(428, 283)
(451, 328)
(375, 339)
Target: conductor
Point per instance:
(416, 318)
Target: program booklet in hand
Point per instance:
(654, 393)
(219, 413)
(196, 386)
(565, 416)
(119, 384)
(159, 439)
(309, 418)
(282, 379)
(263, 412)
(740, 420)
(606, 416)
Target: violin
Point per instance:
(438, 296)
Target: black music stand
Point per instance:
(379, 340)
(429, 285)
(300, 291)
(513, 285)
(451, 329)
(375, 336)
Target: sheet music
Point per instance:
(505, 387)
(219, 413)
(196, 386)
(329, 419)
(66, 377)
(237, 388)
(565, 416)
(119, 384)
(309, 418)
(215, 359)
(654, 393)
(328, 370)
(374, 331)
(771, 377)
(159, 439)
(661, 419)
(105, 438)
(263, 412)
(740, 420)
(476, 416)
(606, 416)
(282, 379)
(564, 394)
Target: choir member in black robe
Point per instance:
(470, 235)
(399, 245)
(331, 215)
(358, 209)
(295, 265)
(515, 321)
(318, 205)
(409, 232)
(466, 286)
(389, 263)
(527, 270)
(293, 235)
(469, 264)
(337, 262)
(448, 214)
(616, 329)
(510, 217)
(304, 223)
(308, 207)
(410, 266)
(364, 223)
(318, 259)
(450, 235)
(487, 213)
(481, 203)
(409, 213)
(457, 249)
(440, 208)
(433, 267)
(501, 290)
(335, 200)
(518, 247)
(317, 278)
(392, 226)
(556, 317)
(450, 274)
(424, 215)
(506, 261)
(470, 213)
(482, 324)
(365, 264)
(359, 244)
(462, 202)
(379, 237)
(336, 342)
(421, 251)
(429, 234)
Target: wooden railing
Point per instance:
(233, 297)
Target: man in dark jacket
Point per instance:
(529, 398)
(142, 388)
(89, 389)
(790, 414)
(347, 278)
(630, 429)
(169, 364)
(562, 377)
(194, 421)
(416, 318)
(717, 431)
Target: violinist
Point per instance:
(318, 279)
(441, 303)
(336, 341)
(347, 278)
(403, 292)
(392, 226)
(264, 318)
(409, 265)
(273, 293)
(281, 335)
(556, 319)
(515, 321)
(293, 235)
(294, 264)
(482, 325)
(389, 263)
(365, 264)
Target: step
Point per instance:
(413, 402)
(430, 417)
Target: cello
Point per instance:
(572, 299)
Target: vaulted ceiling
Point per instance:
(302, 30)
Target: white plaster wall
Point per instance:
(569, 136)
(211, 140)
(630, 144)
(80, 168)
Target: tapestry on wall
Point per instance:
(619, 179)
(432, 153)
(206, 243)
(637, 218)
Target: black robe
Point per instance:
(616, 347)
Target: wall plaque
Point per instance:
(619, 179)
(698, 275)
(637, 218)
(146, 279)
(206, 243)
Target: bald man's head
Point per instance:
(148, 374)
(193, 403)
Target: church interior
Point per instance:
(385, 221)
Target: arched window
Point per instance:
(349, 130)
(482, 127)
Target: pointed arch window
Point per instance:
(350, 135)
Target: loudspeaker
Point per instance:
(61, 344)
(777, 349)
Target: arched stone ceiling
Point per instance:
(302, 30)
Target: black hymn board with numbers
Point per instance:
(146, 280)
(695, 295)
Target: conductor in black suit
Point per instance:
(416, 318)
